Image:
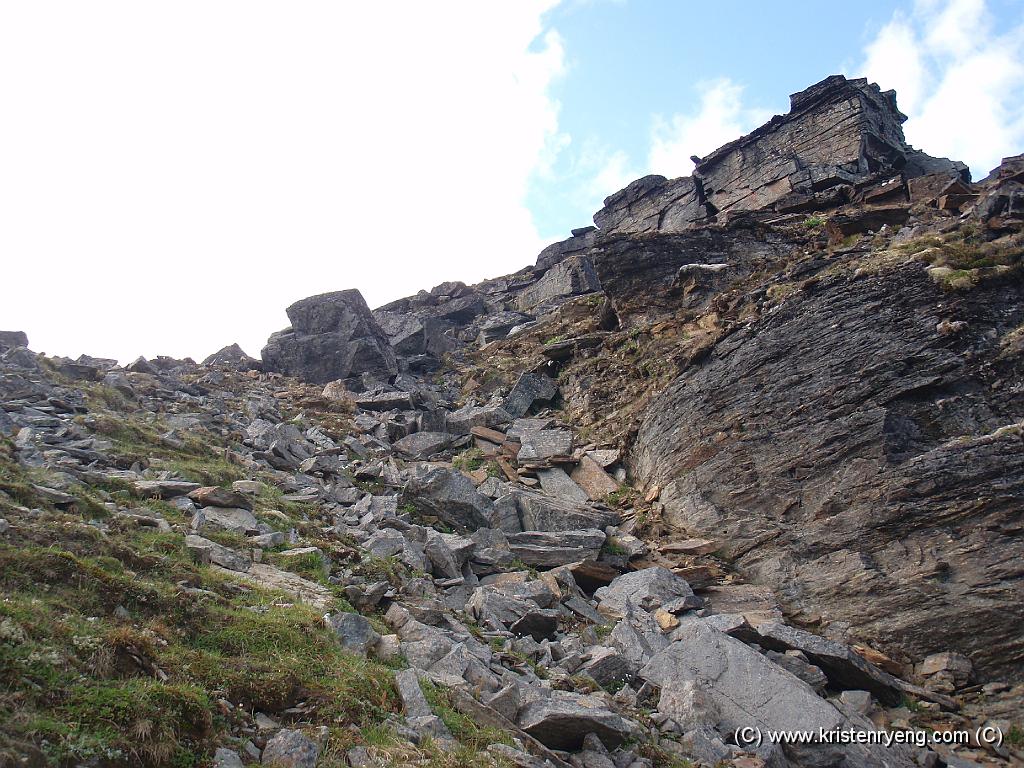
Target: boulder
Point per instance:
(648, 589)
(232, 357)
(290, 749)
(845, 669)
(12, 339)
(547, 549)
(225, 519)
(332, 336)
(555, 482)
(530, 388)
(212, 496)
(449, 496)
(210, 552)
(572, 277)
(355, 633)
(591, 477)
(563, 719)
(540, 512)
(422, 445)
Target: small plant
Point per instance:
(1015, 737)
(469, 460)
(912, 704)
(554, 340)
(813, 222)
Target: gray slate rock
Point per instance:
(530, 388)
(648, 589)
(290, 749)
(564, 719)
(332, 336)
(354, 631)
(450, 496)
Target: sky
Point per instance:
(174, 175)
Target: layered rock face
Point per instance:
(859, 451)
(840, 139)
(332, 336)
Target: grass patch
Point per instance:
(469, 460)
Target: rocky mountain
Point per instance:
(745, 454)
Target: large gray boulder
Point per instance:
(844, 668)
(12, 339)
(562, 720)
(741, 688)
(449, 496)
(648, 589)
(332, 336)
(572, 277)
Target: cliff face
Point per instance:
(827, 388)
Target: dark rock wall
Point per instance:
(861, 461)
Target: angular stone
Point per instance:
(545, 445)
(591, 477)
(233, 358)
(290, 749)
(561, 721)
(606, 666)
(212, 496)
(538, 512)
(529, 389)
(449, 496)
(355, 632)
(555, 482)
(385, 401)
(547, 549)
(572, 277)
(224, 519)
(206, 551)
(164, 489)
(12, 339)
(460, 422)
(422, 445)
(845, 669)
(746, 688)
(332, 336)
(648, 589)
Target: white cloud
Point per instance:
(172, 176)
(720, 118)
(958, 78)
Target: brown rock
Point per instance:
(591, 477)
(212, 496)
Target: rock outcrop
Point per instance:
(332, 336)
(841, 141)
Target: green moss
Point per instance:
(472, 736)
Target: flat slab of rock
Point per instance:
(165, 489)
(212, 496)
(545, 445)
(423, 445)
(449, 496)
(747, 688)
(539, 512)
(591, 477)
(564, 719)
(844, 668)
(224, 519)
(529, 389)
(546, 549)
(211, 553)
(385, 401)
(556, 482)
(278, 580)
(648, 589)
